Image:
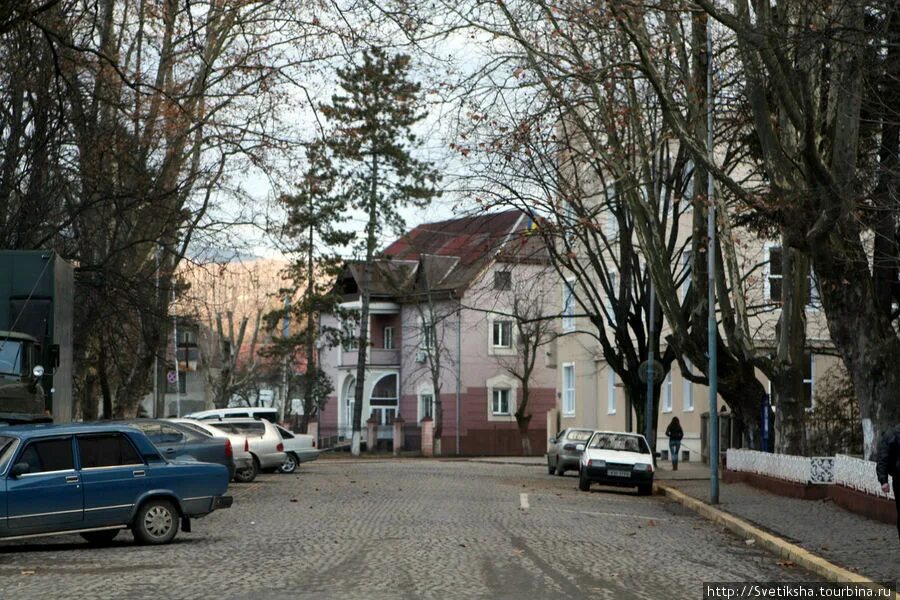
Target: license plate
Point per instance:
(617, 473)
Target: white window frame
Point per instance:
(568, 390)
(496, 393)
(666, 393)
(568, 305)
(498, 326)
(388, 337)
(687, 389)
(426, 341)
(610, 391)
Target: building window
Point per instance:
(809, 383)
(568, 307)
(350, 338)
(687, 388)
(610, 391)
(388, 338)
(568, 391)
(666, 393)
(427, 336)
(426, 405)
(686, 259)
(502, 280)
(815, 301)
(774, 275)
(610, 303)
(500, 401)
(501, 335)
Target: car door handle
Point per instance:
(71, 478)
(139, 473)
(170, 450)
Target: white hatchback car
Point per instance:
(299, 447)
(616, 458)
(265, 442)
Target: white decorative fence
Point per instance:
(859, 475)
(780, 466)
(854, 473)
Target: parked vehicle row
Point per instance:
(152, 476)
(606, 457)
(97, 479)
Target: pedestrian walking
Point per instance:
(674, 432)
(889, 464)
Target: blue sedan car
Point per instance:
(96, 480)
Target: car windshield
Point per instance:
(10, 357)
(579, 436)
(620, 442)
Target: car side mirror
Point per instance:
(657, 455)
(20, 469)
(552, 440)
(580, 447)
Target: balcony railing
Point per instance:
(376, 357)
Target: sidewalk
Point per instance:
(848, 540)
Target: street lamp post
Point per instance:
(712, 329)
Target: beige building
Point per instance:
(590, 394)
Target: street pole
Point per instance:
(458, 367)
(711, 285)
(651, 375)
(286, 332)
(177, 376)
(156, 402)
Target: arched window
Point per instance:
(385, 391)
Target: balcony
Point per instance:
(377, 357)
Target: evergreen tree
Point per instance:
(315, 217)
(370, 144)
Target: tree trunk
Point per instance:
(791, 356)
(364, 296)
(104, 382)
(865, 339)
(438, 421)
(523, 421)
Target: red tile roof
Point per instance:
(470, 239)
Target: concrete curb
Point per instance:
(772, 543)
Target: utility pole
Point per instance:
(711, 285)
(177, 376)
(286, 332)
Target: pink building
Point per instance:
(449, 304)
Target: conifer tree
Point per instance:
(370, 147)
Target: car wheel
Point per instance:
(584, 484)
(290, 463)
(550, 469)
(100, 538)
(645, 489)
(246, 475)
(560, 471)
(156, 522)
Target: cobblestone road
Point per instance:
(407, 529)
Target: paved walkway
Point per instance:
(844, 538)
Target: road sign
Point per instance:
(644, 370)
(172, 377)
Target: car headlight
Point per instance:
(642, 467)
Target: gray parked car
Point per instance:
(563, 454)
(266, 444)
(177, 441)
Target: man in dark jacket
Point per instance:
(889, 464)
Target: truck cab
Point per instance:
(21, 392)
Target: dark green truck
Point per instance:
(36, 298)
